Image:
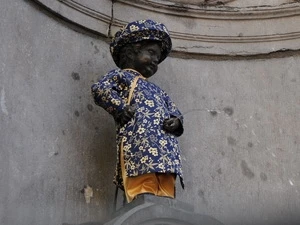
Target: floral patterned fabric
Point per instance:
(147, 148)
(138, 31)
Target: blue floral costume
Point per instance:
(147, 148)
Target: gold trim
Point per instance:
(141, 76)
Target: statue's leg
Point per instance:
(142, 184)
(166, 184)
(159, 184)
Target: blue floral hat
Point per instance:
(139, 31)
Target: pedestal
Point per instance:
(152, 210)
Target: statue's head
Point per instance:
(143, 56)
(140, 42)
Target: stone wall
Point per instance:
(53, 138)
(240, 147)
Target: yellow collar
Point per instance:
(132, 70)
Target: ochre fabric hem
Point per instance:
(159, 184)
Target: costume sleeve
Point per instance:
(175, 113)
(107, 92)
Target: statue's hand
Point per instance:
(126, 115)
(171, 125)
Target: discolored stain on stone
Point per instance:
(96, 49)
(219, 171)
(280, 149)
(257, 117)
(223, 153)
(76, 113)
(213, 177)
(96, 128)
(250, 144)
(228, 111)
(75, 76)
(51, 154)
(201, 194)
(293, 80)
(246, 170)
(63, 132)
(263, 176)
(90, 107)
(213, 112)
(231, 141)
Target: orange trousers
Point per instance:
(159, 184)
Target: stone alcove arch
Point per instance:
(233, 27)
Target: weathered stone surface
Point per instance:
(53, 140)
(234, 28)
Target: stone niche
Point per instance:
(153, 210)
(211, 27)
(235, 3)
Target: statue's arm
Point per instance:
(174, 124)
(107, 93)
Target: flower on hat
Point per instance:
(141, 21)
(134, 28)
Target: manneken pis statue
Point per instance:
(147, 121)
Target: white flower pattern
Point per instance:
(147, 148)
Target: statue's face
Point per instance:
(146, 60)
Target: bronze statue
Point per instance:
(147, 120)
